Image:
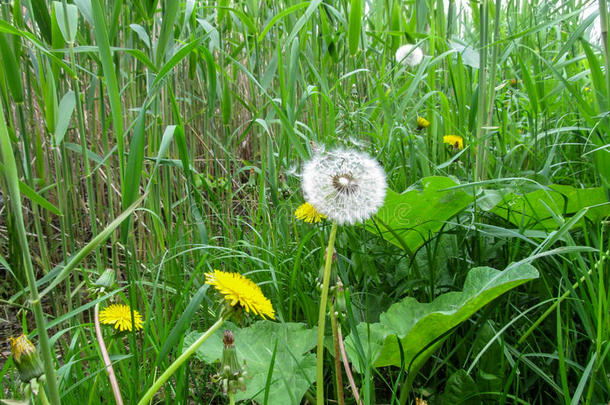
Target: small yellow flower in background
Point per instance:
(120, 316)
(239, 290)
(26, 358)
(587, 89)
(308, 213)
(420, 401)
(422, 123)
(457, 142)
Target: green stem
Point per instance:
(338, 371)
(12, 177)
(479, 173)
(603, 20)
(322, 317)
(83, 138)
(183, 357)
(42, 395)
(231, 398)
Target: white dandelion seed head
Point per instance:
(409, 55)
(345, 185)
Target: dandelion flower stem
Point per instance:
(107, 363)
(183, 357)
(322, 316)
(231, 398)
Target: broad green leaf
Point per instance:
(531, 210)
(11, 69)
(293, 368)
(84, 6)
(69, 31)
(490, 369)
(355, 24)
(460, 389)
(419, 325)
(76, 148)
(142, 34)
(470, 56)
(410, 219)
(64, 115)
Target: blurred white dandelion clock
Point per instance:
(345, 185)
(409, 55)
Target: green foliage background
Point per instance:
(163, 139)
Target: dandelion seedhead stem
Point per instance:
(322, 316)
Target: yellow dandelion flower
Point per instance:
(120, 316)
(422, 123)
(238, 290)
(308, 213)
(457, 142)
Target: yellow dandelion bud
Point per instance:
(308, 213)
(422, 123)
(26, 358)
(106, 280)
(457, 142)
(120, 316)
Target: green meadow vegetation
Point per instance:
(155, 156)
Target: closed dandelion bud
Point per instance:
(231, 373)
(106, 280)
(26, 359)
(354, 92)
(241, 383)
(340, 304)
(229, 362)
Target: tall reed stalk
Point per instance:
(12, 180)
